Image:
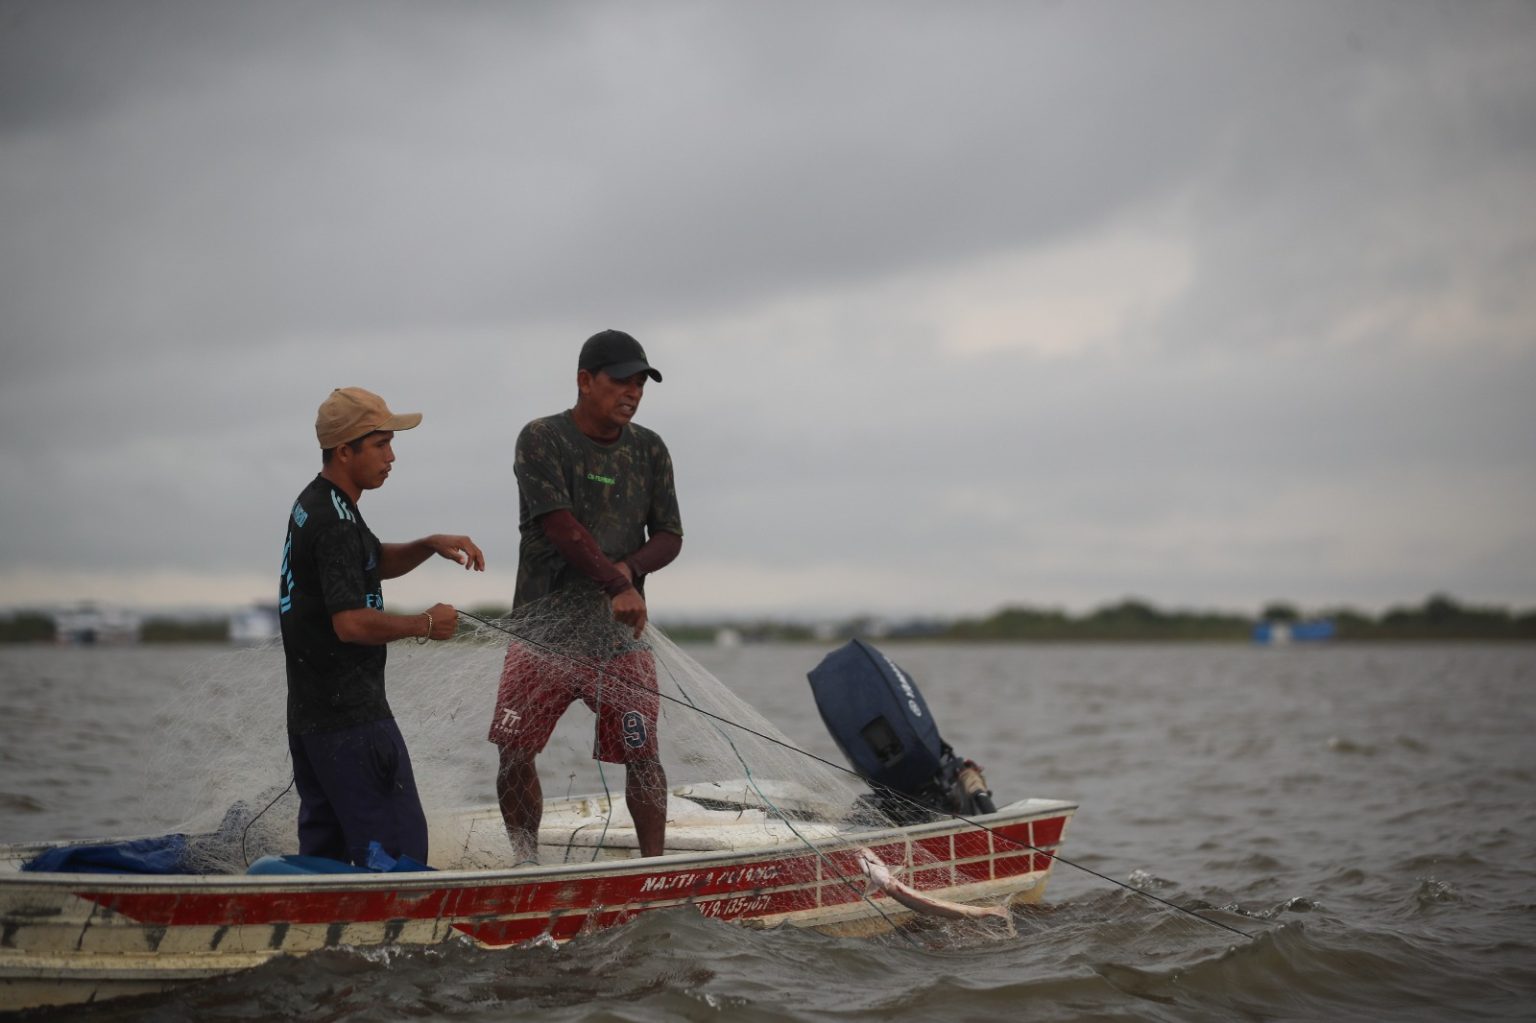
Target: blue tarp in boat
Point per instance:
(169, 854)
(379, 862)
(166, 854)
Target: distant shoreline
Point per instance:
(1438, 619)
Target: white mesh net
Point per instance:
(734, 781)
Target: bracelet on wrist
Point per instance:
(428, 635)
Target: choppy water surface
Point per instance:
(1365, 813)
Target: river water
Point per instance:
(1366, 814)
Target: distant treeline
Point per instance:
(171, 630)
(1126, 620)
(1439, 618)
(38, 627)
(27, 627)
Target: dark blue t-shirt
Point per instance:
(330, 564)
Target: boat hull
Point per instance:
(67, 938)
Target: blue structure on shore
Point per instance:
(1279, 633)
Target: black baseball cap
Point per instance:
(617, 354)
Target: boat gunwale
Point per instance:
(1004, 816)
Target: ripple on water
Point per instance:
(1432, 894)
(1425, 862)
(1355, 747)
(11, 802)
(1253, 863)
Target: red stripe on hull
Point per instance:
(836, 873)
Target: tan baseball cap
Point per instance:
(351, 412)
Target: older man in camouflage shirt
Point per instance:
(598, 512)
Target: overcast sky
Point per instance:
(958, 304)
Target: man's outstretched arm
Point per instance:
(367, 626)
(396, 559)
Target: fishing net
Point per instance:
(734, 780)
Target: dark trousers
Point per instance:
(356, 786)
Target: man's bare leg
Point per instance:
(522, 803)
(645, 790)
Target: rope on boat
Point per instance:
(1056, 857)
(247, 829)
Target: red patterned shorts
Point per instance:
(537, 688)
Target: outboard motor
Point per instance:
(883, 726)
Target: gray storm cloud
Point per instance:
(958, 304)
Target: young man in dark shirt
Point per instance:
(597, 512)
(350, 764)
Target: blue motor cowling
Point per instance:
(882, 724)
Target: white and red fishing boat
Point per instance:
(780, 845)
(72, 937)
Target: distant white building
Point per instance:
(254, 625)
(89, 624)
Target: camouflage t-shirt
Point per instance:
(621, 492)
